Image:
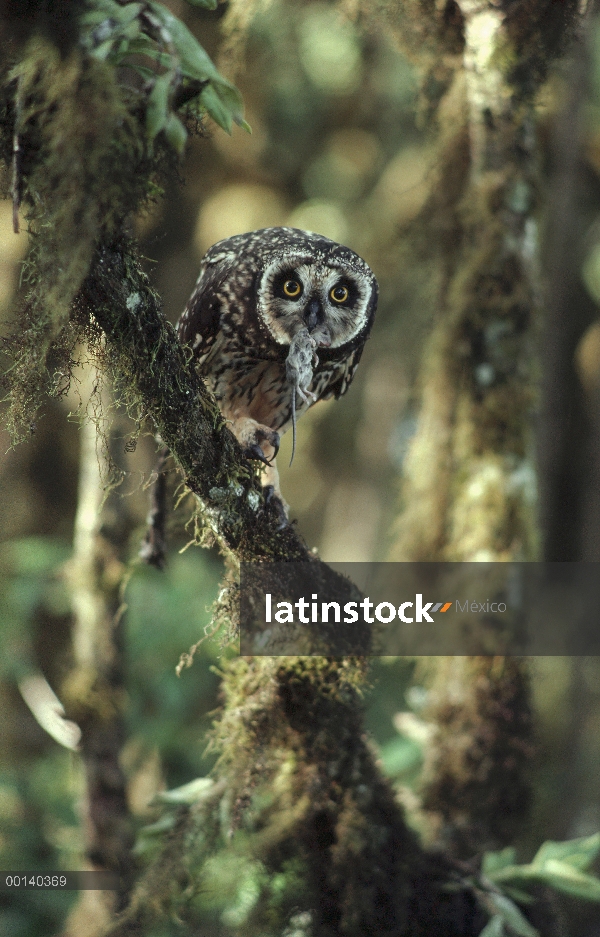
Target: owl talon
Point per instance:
(255, 452)
(265, 435)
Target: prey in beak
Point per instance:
(302, 359)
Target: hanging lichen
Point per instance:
(90, 128)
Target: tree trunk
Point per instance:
(94, 690)
(470, 487)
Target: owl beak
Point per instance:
(313, 314)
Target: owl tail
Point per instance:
(293, 422)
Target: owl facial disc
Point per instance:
(298, 292)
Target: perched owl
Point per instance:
(278, 320)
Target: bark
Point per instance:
(297, 787)
(150, 367)
(94, 690)
(568, 514)
(144, 351)
(470, 486)
(470, 476)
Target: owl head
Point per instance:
(307, 281)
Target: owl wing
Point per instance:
(201, 321)
(340, 375)
(199, 324)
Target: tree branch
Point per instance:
(157, 380)
(144, 349)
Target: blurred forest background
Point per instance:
(342, 144)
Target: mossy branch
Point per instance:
(157, 380)
(469, 491)
(154, 378)
(299, 806)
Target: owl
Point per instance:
(277, 321)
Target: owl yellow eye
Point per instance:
(340, 294)
(292, 288)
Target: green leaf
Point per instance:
(205, 4)
(186, 794)
(517, 894)
(102, 51)
(101, 11)
(120, 44)
(122, 13)
(225, 103)
(493, 861)
(494, 927)
(157, 106)
(175, 133)
(564, 877)
(514, 873)
(220, 98)
(131, 31)
(212, 103)
(231, 99)
(125, 14)
(166, 823)
(578, 853)
(109, 30)
(510, 914)
(195, 62)
(104, 11)
(146, 73)
(144, 45)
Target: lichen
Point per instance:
(300, 821)
(83, 169)
(477, 779)
(480, 373)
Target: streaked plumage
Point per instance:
(254, 295)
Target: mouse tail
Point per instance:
(293, 422)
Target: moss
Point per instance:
(300, 822)
(425, 28)
(21, 19)
(479, 375)
(431, 34)
(476, 778)
(539, 31)
(298, 807)
(82, 170)
(469, 488)
(152, 378)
